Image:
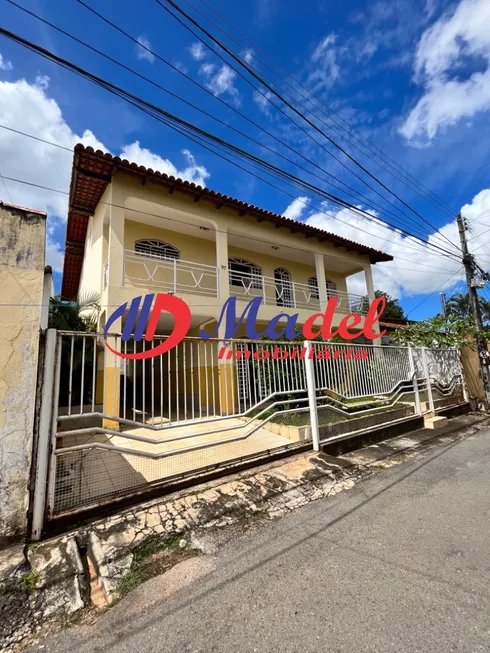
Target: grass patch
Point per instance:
(29, 581)
(152, 558)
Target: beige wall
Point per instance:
(95, 252)
(300, 272)
(191, 248)
(154, 206)
(22, 243)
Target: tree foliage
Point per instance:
(393, 308)
(81, 315)
(438, 332)
(458, 305)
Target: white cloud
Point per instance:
(262, 100)
(198, 51)
(143, 49)
(457, 40)
(325, 71)
(248, 55)
(27, 107)
(221, 81)
(192, 172)
(296, 208)
(42, 81)
(417, 268)
(4, 64)
(54, 249)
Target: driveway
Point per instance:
(400, 563)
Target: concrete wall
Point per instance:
(22, 243)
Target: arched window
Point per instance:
(284, 288)
(156, 249)
(313, 286)
(331, 288)
(244, 273)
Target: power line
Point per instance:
(350, 128)
(425, 195)
(357, 194)
(156, 215)
(305, 131)
(6, 189)
(177, 123)
(435, 291)
(290, 106)
(354, 193)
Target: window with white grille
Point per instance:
(284, 288)
(244, 273)
(313, 286)
(156, 249)
(331, 288)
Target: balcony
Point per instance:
(181, 277)
(290, 294)
(169, 275)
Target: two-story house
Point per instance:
(133, 231)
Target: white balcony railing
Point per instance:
(170, 275)
(188, 277)
(290, 294)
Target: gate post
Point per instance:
(311, 386)
(44, 438)
(426, 374)
(413, 374)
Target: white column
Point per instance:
(311, 385)
(368, 273)
(322, 281)
(222, 264)
(115, 249)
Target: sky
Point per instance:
(403, 86)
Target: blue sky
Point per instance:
(412, 76)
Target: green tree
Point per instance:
(439, 332)
(80, 315)
(393, 308)
(458, 305)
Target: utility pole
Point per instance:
(442, 297)
(471, 281)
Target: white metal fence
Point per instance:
(117, 427)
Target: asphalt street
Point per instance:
(400, 563)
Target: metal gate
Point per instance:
(112, 427)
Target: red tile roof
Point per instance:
(394, 323)
(91, 173)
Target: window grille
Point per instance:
(156, 249)
(244, 273)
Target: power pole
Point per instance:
(471, 267)
(442, 297)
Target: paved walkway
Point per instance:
(400, 563)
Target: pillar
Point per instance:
(222, 264)
(368, 273)
(322, 281)
(115, 278)
(226, 369)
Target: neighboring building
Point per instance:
(133, 231)
(22, 279)
(391, 325)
